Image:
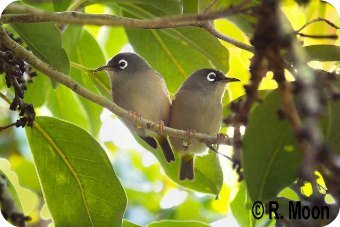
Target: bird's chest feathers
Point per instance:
(199, 112)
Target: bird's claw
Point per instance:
(190, 133)
(221, 136)
(135, 116)
(161, 126)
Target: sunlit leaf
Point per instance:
(79, 184)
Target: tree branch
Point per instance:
(203, 20)
(317, 20)
(212, 30)
(80, 90)
(31, 15)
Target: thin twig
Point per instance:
(2, 128)
(316, 20)
(77, 88)
(211, 4)
(4, 97)
(318, 36)
(211, 29)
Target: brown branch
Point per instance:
(212, 30)
(318, 36)
(80, 90)
(203, 20)
(31, 15)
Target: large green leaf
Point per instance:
(85, 54)
(64, 104)
(208, 172)
(271, 157)
(175, 53)
(45, 41)
(168, 223)
(79, 184)
(323, 52)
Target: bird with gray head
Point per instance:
(138, 88)
(197, 106)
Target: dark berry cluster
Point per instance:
(17, 74)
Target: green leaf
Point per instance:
(208, 172)
(240, 206)
(182, 50)
(190, 6)
(168, 223)
(45, 41)
(60, 5)
(127, 223)
(271, 156)
(85, 54)
(79, 184)
(35, 94)
(323, 52)
(167, 6)
(64, 104)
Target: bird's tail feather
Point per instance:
(186, 170)
(150, 140)
(166, 148)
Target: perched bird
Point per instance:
(141, 90)
(197, 106)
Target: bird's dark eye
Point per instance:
(211, 76)
(122, 63)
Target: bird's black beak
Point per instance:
(101, 68)
(229, 80)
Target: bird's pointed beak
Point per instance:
(229, 80)
(101, 68)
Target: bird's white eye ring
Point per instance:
(211, 76)
(122, 63)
